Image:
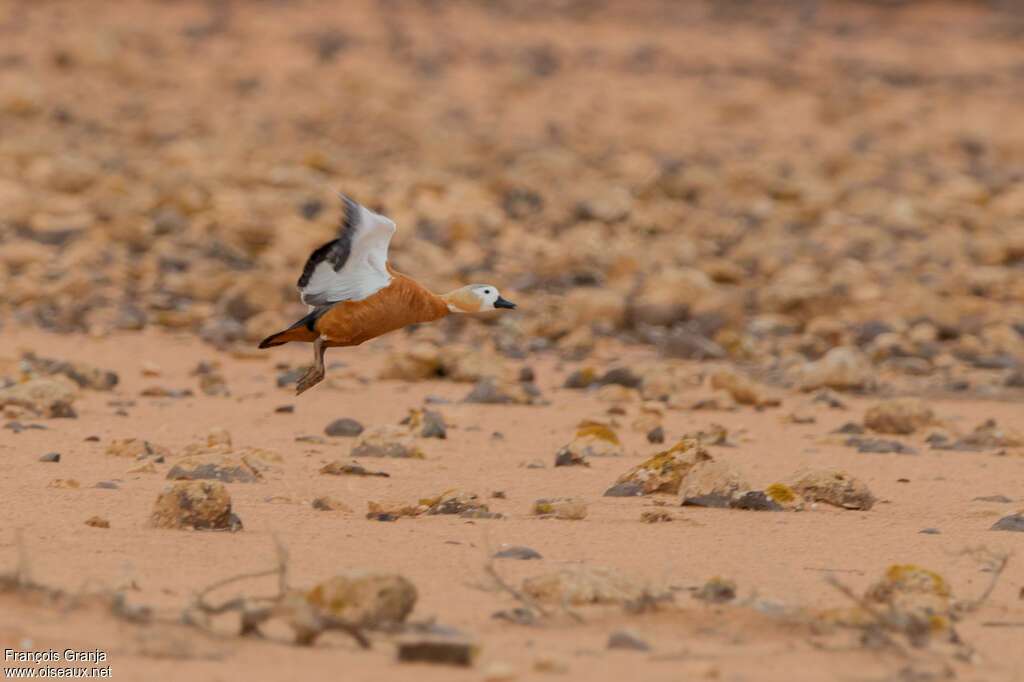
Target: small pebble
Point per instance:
(517, 552)
(623, 639)
(50, 457)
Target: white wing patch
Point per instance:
(353, 266)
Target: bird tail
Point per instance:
(303, 330)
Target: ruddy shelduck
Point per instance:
(354, 294)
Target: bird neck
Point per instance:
(460, 301)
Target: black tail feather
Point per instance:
(309, 322)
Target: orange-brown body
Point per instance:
(349, 323)
(403, 302)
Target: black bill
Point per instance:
(502, 303)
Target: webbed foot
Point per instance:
(313, 376)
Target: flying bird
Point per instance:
(354, 294)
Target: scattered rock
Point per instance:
(850, 428)
(898, 416)
(879, 446)
(715, 435)
(164, 392)
(518, 616)
(832, 486)
(624, 639)
(625, 489)
(369, 599)
(842, 369)
(930, 531)
(620, 376)
(755, 500)
(664, 472)
(480, 514)
(718, 590)
(590, 441)
(389, 511)
(83, 374)
(387, 441)
(990, 435)
(517, 552)
(344, 427)
(108, 485)
(136, 448)
(63, 483)
(330, 504)
(426, 424)
(338, 468)
(50, 457)
(284, 409)
(741, 388)
(580, 378)
(488, 391)
(581, 584)
(655, 516)
(1003, 499)
(97, 522)
(1014, 522)
(437, 649)
(453, 502)
(615, 394)
(45, 397)
(560, 508)
(202, 505)
(656, 435)
(711, 483)
(214, 441)
(244, 467)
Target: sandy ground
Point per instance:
(779, 558)
(649, 180)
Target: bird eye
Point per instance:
(487, 291)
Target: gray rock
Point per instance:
(579, 379)
(656, 435)
(109, 485)
(993, 498)
(620, 376)
(1014, 522)
(625, 489)
(624, 639)
(344, 427)
(930, 531)
(447, 650)
(517, 552)
(754, 500)
(518, 615)
(50, 457)
(879, 446)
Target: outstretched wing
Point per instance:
(354, 265)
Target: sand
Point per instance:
(774, 558)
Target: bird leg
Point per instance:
(314, 374)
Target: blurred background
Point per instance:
(747, 179)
